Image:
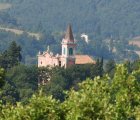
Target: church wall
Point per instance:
(55, 61)
(63, 62)
(41, 61)
(47, 60)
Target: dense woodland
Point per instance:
(103, 17)
(107, 90)
(109, 24)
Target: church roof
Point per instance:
(69, 34)
(84, 59)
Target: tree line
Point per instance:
(107, 98)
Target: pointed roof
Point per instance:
(69, 34)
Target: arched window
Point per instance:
(70, 51)
(64, 51)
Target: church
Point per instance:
(68, 55)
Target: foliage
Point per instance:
(9, 94)
(105, 99)
(100, 17)
(102, 98)
(24, 80)
(110, 67)
(10, 57)
(14, 54)
(58, 79)
(2, 77)
(97, 70)
(39, 108)
(7, 19)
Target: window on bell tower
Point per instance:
(70, 51)
(64, 51)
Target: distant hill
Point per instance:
(102, 18)
(115, 20)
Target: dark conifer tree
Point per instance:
(110, 67)
(97, 69)
(14, 54)
(2, 77)
(10, 57)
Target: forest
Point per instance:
(107, 91)
(102, 18)
(109, 24)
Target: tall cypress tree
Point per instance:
(110, 67)
(2, 77)
(97, 69)
(10, 57)
(14, 54)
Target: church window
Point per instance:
(64, 51)
(70, 51)
(41, 62)
(60, 63)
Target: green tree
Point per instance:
(39, 107)
(4, 61)
(106, 98)
(58, 79)
(53, 82)
(9, 94)
(97, 69)
(24, 79)
(2, 77)
(102, 99)
(110, 68)
(11, 57)
(14, 54)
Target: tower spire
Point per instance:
(69, 34)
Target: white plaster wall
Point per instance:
(47, 60)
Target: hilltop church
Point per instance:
(68, 55)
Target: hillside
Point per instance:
(20, 32)
(99, 17)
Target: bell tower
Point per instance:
(68, 48)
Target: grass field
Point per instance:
(19, 32)
(135, 41)
(4, 6)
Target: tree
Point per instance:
(128, 65)
(106, 98)
(39, 107)
(24, 79)
(4, 60)
(97, 69)
(14, 54)
(9, 94)
(11, 57)
(110, 68)
(2, 77)
(53, 82)
(102, 99)
(58, 79)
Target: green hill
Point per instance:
(100, 17)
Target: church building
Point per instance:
(68, 55)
